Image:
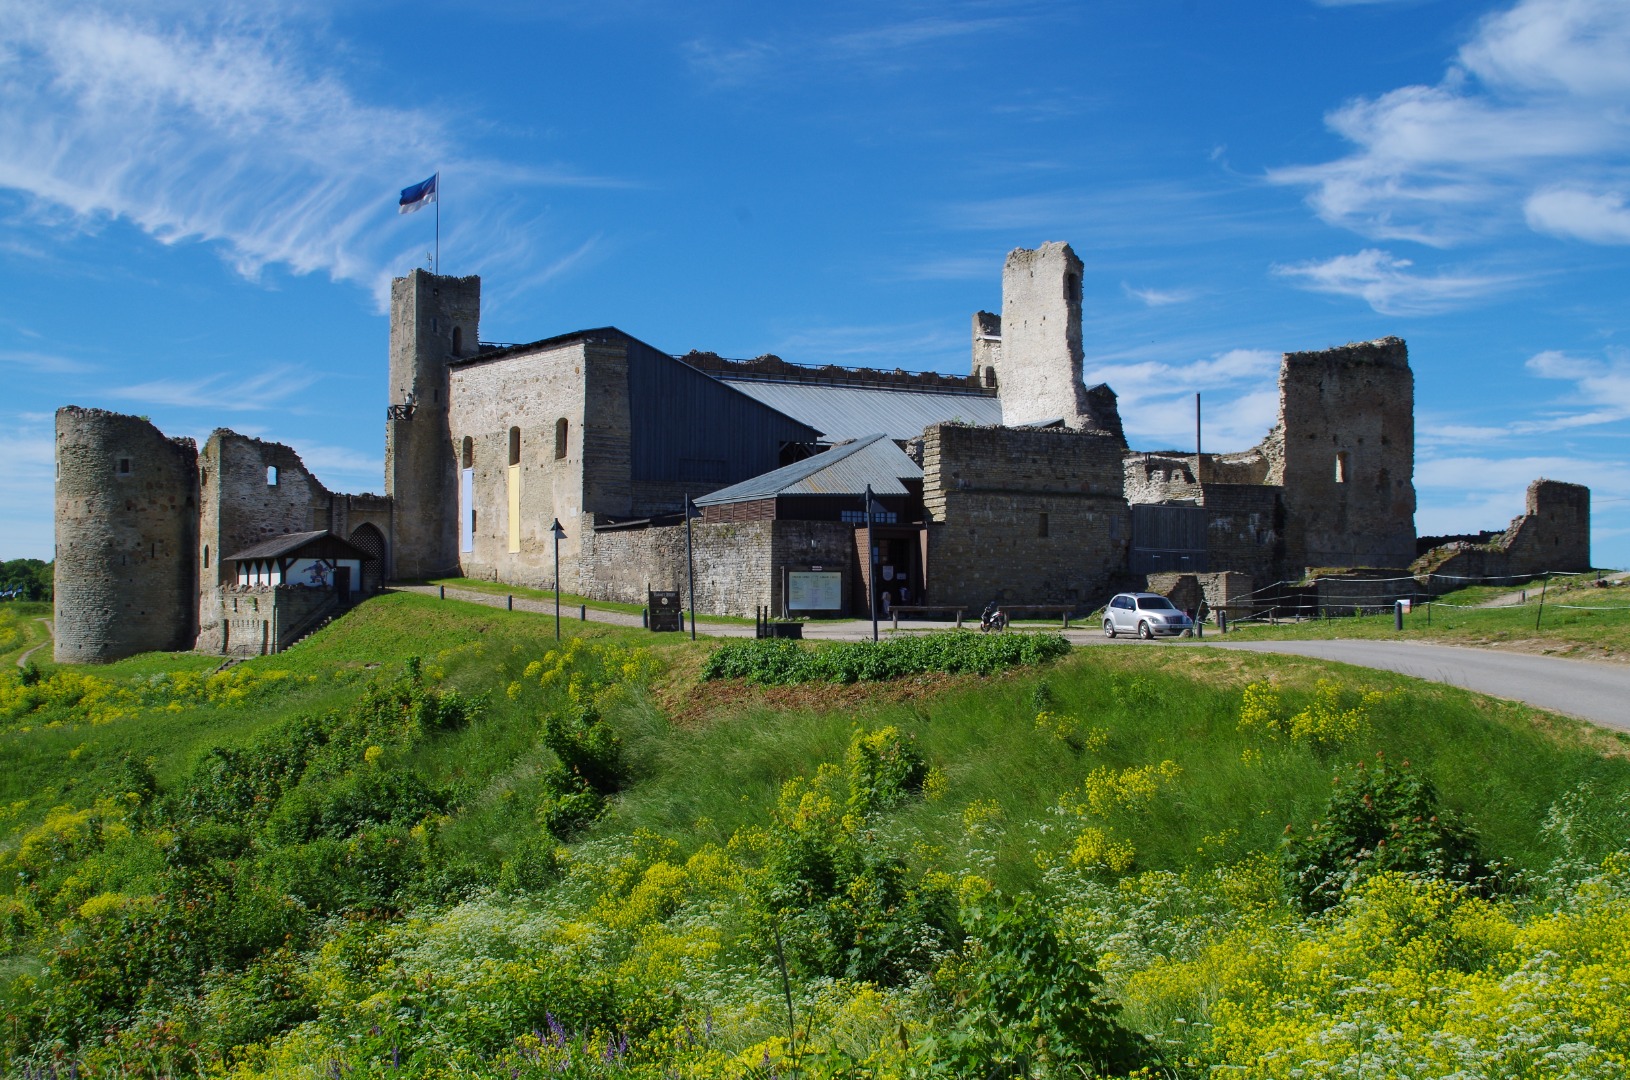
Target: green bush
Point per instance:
(1379, 817)
(1022, 1002)
(778, 662)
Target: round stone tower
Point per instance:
(127, 529)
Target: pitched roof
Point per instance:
(850, 412)
(326, 544)
(842, 470)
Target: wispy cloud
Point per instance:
(1539, 88)
(1159, 297)
(916, 346)
(267, 389)
(48, 363)
(214, 124)
(28, 446)
(1157, 398)
(1389, 285)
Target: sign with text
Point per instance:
(809, 590)
(664, 611)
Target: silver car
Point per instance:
(1147, 615)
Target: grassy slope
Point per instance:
(21, 630)
(720, 760)
(1578, 621)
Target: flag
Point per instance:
(418, 195)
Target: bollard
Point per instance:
(1199, 629)
(582, 613)
(681, 621)
(645, 618)
(1222, 621)
(441, 591)
(1398, 615)
(509, 603)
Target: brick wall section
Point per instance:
(125, 541)
(427, 312)
(984, 491)
(738, 565)
(240, 509)
(1553, 534)
(1358, 401)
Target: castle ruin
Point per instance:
(1013, 483)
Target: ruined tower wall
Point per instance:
(1038, 364)
(244, 503)
(1347, 432)
(126, 535)
(1553, 534)
(1024, 515)
(434, 320)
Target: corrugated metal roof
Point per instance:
(842, 470)
(849, 412)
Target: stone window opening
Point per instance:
(458, 341)
(1341, 466)
(560, 438)
(466, 454)
(514, 446)
(206, 556)
(271, 476)
(990, 377)
(1072, 286)
(1041, 523)
(124, 466)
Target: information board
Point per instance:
(811, 590)
(664, 611)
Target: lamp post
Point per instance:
(559, 534)
(871, 548)
(690, 567)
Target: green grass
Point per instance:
(1579, 620)
(21, 630)
(706, 764)
(567, 600)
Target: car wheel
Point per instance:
(1109, 628)
(1144, 632)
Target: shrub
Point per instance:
(1023, 1002)
(1379, 817)
(884, 770)
(776, 662)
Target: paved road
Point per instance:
(1591, 691)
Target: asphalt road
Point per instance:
(1590, 691)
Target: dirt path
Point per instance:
(50, 632)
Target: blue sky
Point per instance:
(198, 220)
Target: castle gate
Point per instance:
(372, 541)
(1166, 538)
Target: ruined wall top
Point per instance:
(1383, 352)
(770, 367)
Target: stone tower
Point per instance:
(1347, 432)
(434, 320)
(126, 537)
(1033, 352)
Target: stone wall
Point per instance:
(531, 393)
(1022, 515)
(738, 565)
(1347, 431)
(1244, 530)
(1552, 535)
(259, 619)
(241, 507)
(126, 537)
(434, 320)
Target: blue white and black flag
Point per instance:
(417, 196)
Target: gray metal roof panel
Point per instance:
(842, 470)
(290, 542)
(849, 412)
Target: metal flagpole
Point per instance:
(438, 233)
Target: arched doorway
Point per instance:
(372, 541)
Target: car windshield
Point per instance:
(1156, 603)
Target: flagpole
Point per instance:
(438, 222)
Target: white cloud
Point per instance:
(266, 389)
(215, 124)
(28, 446)
(1596, 217)
(1239, 391)
(1387, 284)
(48, 363)
(1465, 493)
(1603, 384)
(1538, 89)
(918, 346)
(1159, 297)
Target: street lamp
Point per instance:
(559, 534)
(871, 546)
